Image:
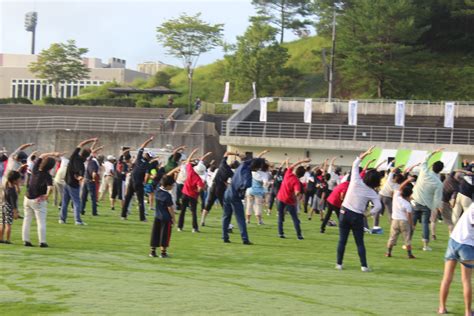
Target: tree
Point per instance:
(258, 58)
(61, 62)
(162, 78)
(186, 38)
(285, 14)
(377, 43)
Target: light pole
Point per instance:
(190, 85)
(333, 51)
(31, 20)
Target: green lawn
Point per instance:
(103, 268)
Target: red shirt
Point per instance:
(335, 197)
(289, 187)
(193, 182)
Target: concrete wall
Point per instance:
(66, 141)
(382, 108)
(241, 115)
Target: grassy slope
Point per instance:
(103, 268)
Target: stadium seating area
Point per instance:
(17, 110)
(418, 129)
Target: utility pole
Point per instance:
(333, 51)
(31, 20)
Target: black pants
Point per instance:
(117, 189)
(139, 190)
(273, 195)
(160, 233)
(179, 194)
(192, 203)
(327, 217)
(214, 194)
(307, 196)
(349, 220)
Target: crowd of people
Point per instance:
(247, 186)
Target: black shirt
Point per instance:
(39, 182)
(92, 166)
(11, 197)
(163, 201)
(311, 185)
(120, 169)
(223, 173)
(140, 168)
(75, 169)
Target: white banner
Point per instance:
(449, 108)
(225, 99)
(308, 110)
(400, 113)
(263, 109)
(254, 88)
(352, 112)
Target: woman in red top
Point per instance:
(334, 201)
(290, 191)
(191, 189)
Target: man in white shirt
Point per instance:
(359, 193)
(460, 249)
(427, 196)
(15, 160)
(108, 180)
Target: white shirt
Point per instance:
(334, 181)
(390, 186)
(61, 174)
(359, 194)
(181, 175)
(108, 168)
(400, 207)
(210, 177)
(428, 189)
(463, 232)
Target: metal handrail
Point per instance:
(372, 101)
(436, 135)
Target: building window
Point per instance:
(13, 91)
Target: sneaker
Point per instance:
(261, 223)
(61, 221)
(81, 224)
(164, 255)
(339, 267)
(322, 231)
(226, 241)
(309, 218)
(179, 229)
(388, 255)
(203, 224)
(2, 241)
(196, 231)
(28, 244)
(8, 242)
(282, 236)
(152, 254)
(366, 230)
(96, 214)
(247, 242)
(433, 237)
(300, 237)
(427, 248)
(404, 247)
(123, 218)
(365, 269)
(112, 208)
(411, 257)
(44, 245)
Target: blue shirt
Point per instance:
(163, 201)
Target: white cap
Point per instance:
(150, 154)
(110, 157)
(200, 169)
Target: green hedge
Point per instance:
(15, 101)
(92, 102)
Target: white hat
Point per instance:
(150, 154)
(200, 169)
(110, 157)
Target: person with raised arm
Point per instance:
(73, 179)
(359, 193)
(235, 193)
(89, 186)
(16, 159)
(193, 185)
(219, 184)
(402, 218)
(290, 192)
(427, 196)
(392, 183)
(36, 198)
(137, 180)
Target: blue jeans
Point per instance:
(69, 194)
(89, 188)
(294, 216)
(424, 213)
(349, 220)
(233, 204)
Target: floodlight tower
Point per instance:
(31, 19)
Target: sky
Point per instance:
(116, 28)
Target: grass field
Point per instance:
(103, 268)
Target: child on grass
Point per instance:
(402, 218)
(9, 207)
(164, 216)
